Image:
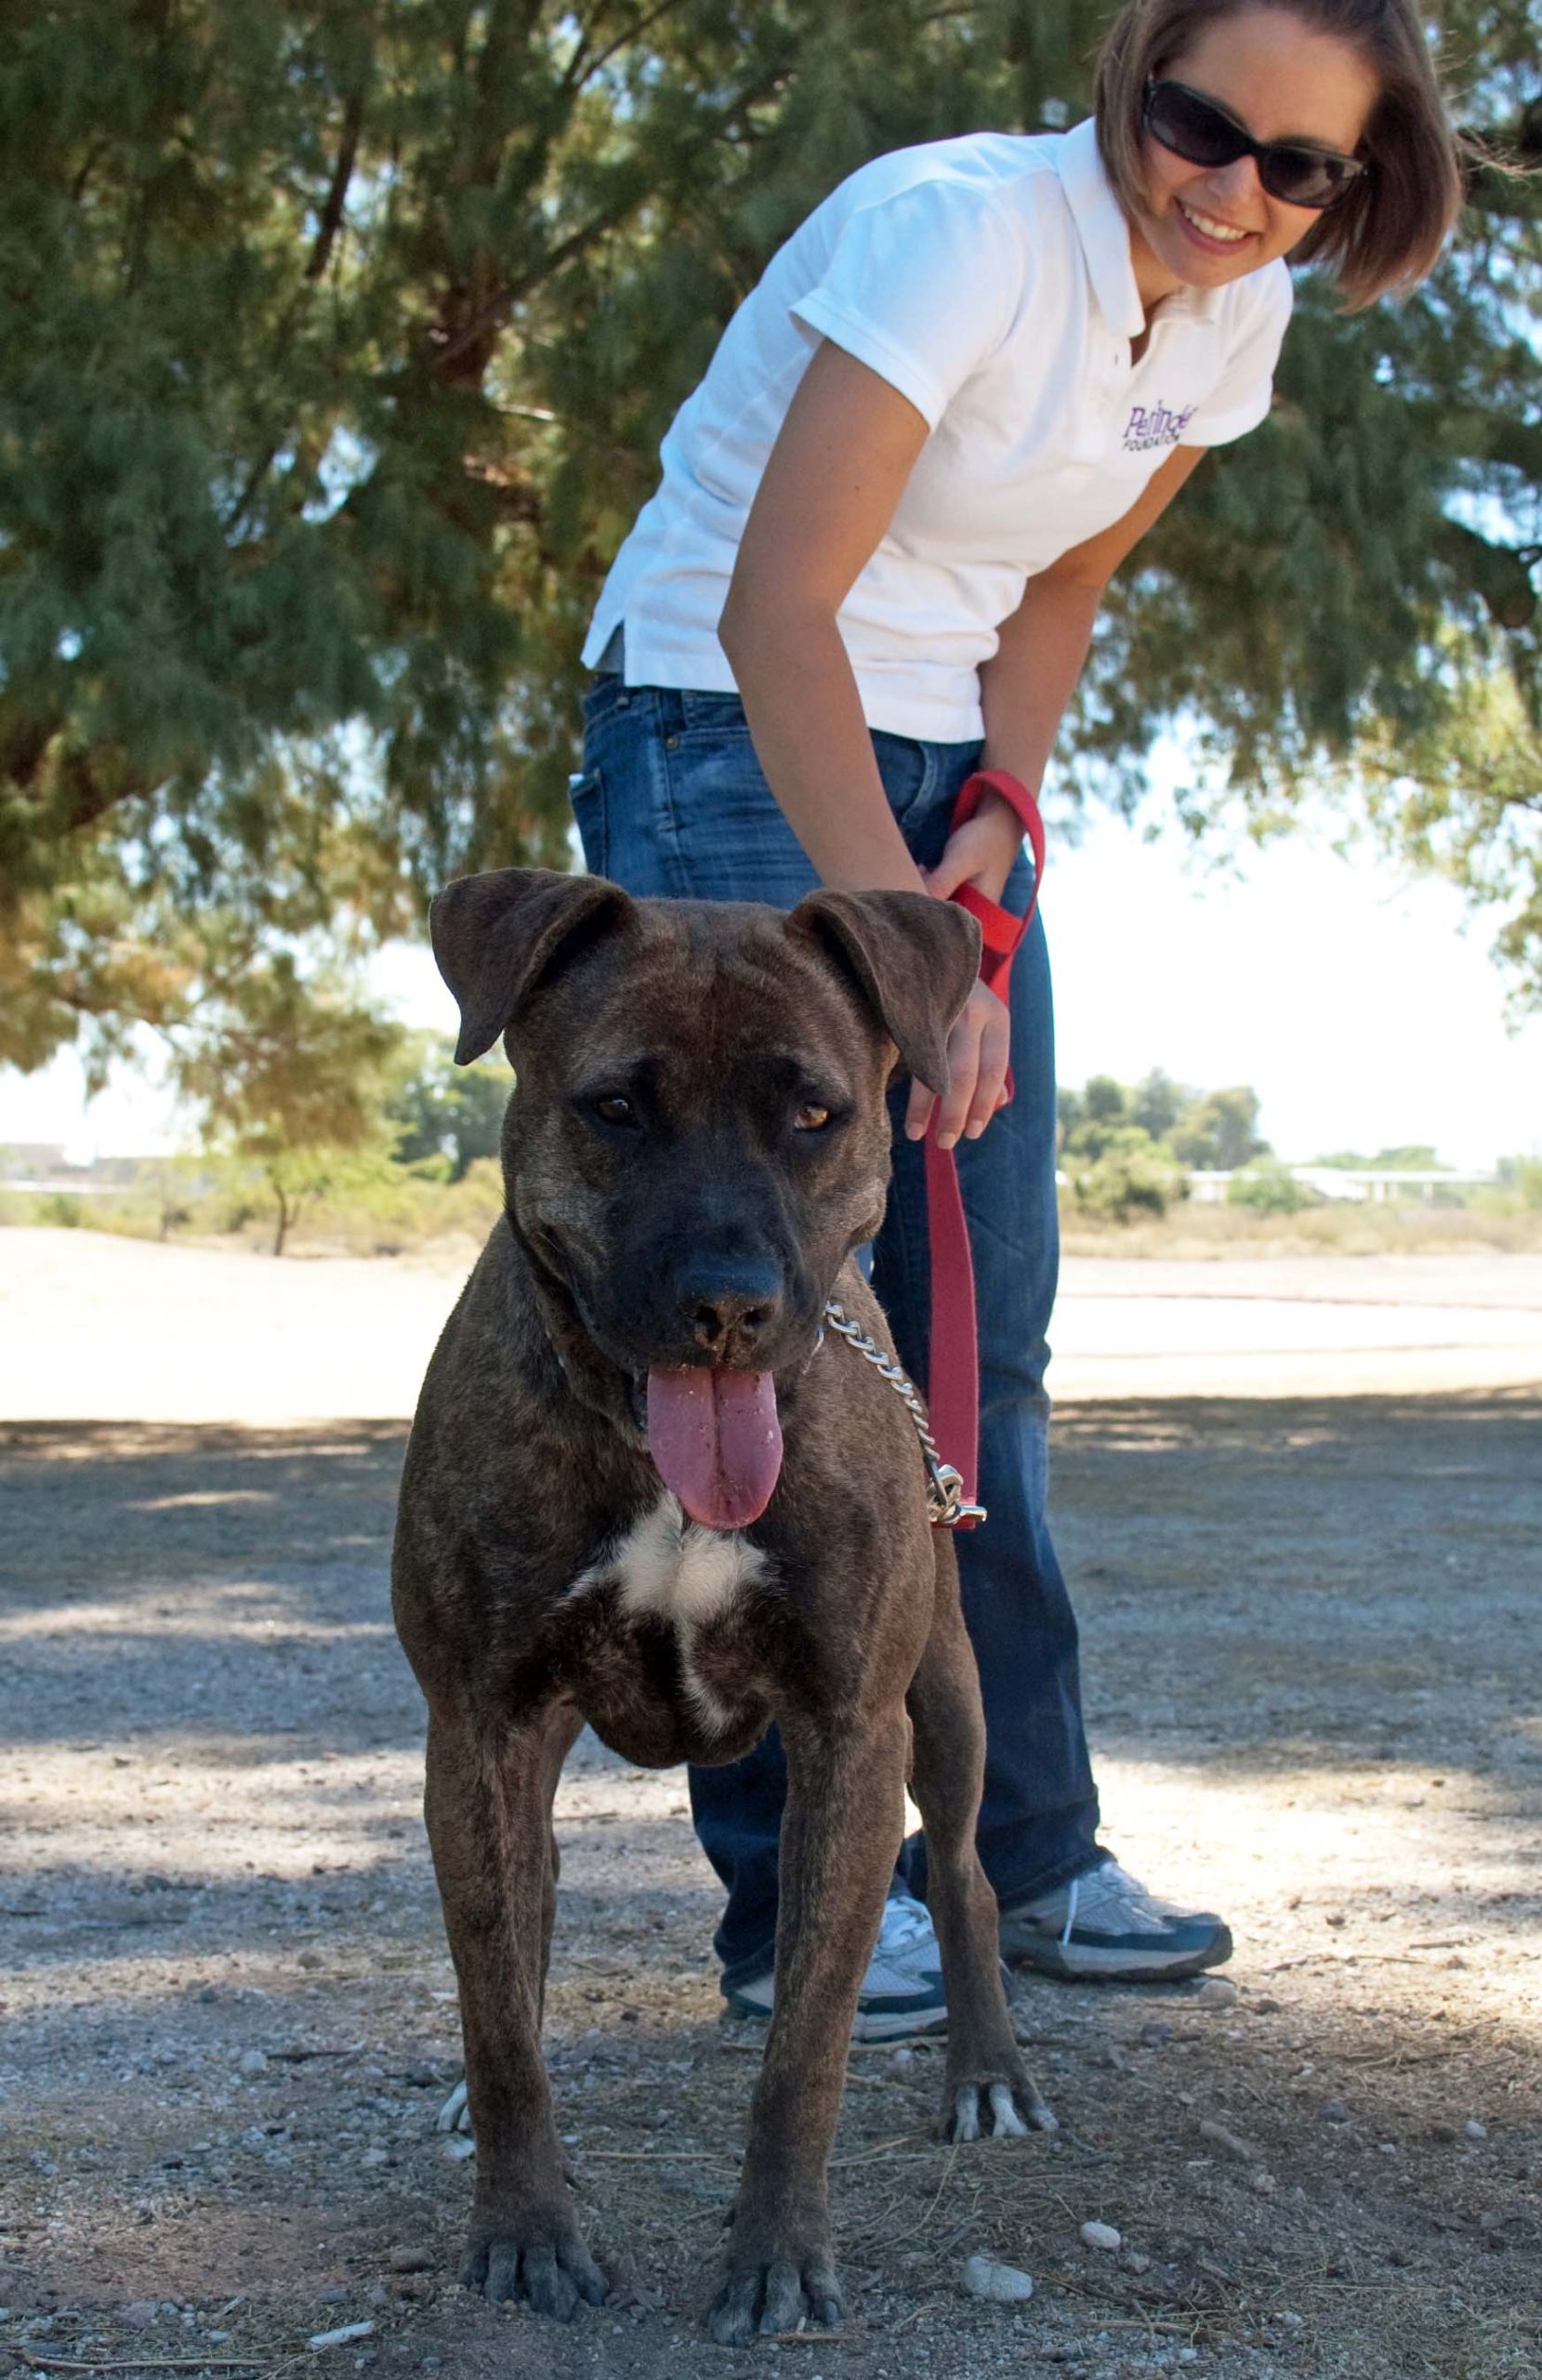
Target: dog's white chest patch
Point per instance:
(673, 1569)
(666, 1568)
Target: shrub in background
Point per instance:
(1269, 1188)
(1129, 1175)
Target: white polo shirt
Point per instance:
(989, 280)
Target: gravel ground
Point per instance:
(1313, 1634)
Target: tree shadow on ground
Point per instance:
(1309, 1582)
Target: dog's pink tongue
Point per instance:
(716, 1440)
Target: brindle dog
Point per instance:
(644, 1491)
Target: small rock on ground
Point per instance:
(1001, 2284)
(342, 2337)
(1224, 2137)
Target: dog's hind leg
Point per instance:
(840, 1834)
(989, 2087)
(487, 1806)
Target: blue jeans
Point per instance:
(673, 802)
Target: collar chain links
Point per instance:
(947, 1504)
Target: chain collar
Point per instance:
(946, 1505)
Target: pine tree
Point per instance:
(336, 344)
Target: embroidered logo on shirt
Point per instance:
(1155, 426)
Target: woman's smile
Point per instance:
(1207, 230)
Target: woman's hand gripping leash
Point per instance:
(993, 813)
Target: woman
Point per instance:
(961, 393)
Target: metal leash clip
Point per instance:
(947, 1506)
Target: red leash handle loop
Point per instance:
(1014, 793)
(953, 1385)
(1001, 933)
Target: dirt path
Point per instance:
(1313, 1636)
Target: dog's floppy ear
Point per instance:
(495, 937)
(914, 958)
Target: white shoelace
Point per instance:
(1117, 1898)
(904, 1922)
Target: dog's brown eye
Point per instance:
(810, 1118)
(615, 1109)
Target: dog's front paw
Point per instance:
(763, 2296)
(1001, 2107)
(540, 2256)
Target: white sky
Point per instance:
(1361, 1003)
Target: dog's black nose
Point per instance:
(730, 1308)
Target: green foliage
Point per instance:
(291, 1075)
(1103, 1100)
(449, 1113)
(1097, 1113)
(1220, 1130)
(387, 1208)
(1157, 1103)
(362, 1206)
(1213, 1130)
(1129, 1175)
(1461, 795)
(1411, 1156)
(336, 343)
(1523, 1177)
(1269, 1187)
(1118, 1168)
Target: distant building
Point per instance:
(1357, 1185)
(25, 1160)
(49, 1165)
(1381, 1185)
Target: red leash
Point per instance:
(953, 1388)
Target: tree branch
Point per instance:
(253, 480)
(93, 157)
(336, 196)
(581, 66)
(24, 750)
(450, 347)
(1497, 575)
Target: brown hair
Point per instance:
(1387, 229)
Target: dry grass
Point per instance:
(400, 1212)
(1490, 1225)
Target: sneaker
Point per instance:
(1105, 1926)
(902, 1992)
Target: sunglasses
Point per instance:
(1206, 134)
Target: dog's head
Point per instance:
(698, 1136)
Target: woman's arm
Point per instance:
(828, 492)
